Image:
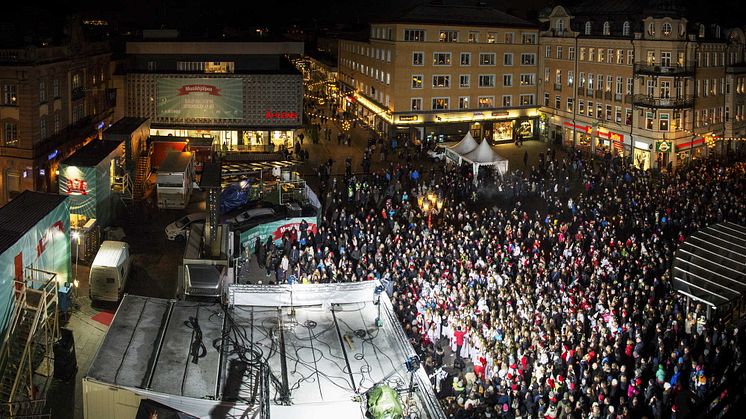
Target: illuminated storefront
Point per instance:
(496, 126)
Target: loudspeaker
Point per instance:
(65, 360)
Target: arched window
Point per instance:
(651, 28)
(607, 28)
(587, 28)
(625, 28)
(666, 29)
(560, 26)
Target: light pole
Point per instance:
(76, 236)
(430, 203)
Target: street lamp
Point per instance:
(76, 236)
(430, 203)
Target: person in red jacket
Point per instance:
(459, 335)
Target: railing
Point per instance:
(558, 86)
(599, 94)
(659, 102)
(618, 97)
(607, 95)
(664, 70)
(589, 92)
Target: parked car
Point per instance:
(179, 228)
(437, 154)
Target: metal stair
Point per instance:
(27, 345)
(142, 173)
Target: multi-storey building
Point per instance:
(243, 94)
(54, 99)
(441, 70)
(643, 84)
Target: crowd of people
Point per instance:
(557, 305)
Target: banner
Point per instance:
(208, 98)
(275, 229)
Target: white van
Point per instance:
(109, 271)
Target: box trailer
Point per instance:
(174, 180)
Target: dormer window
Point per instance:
(666, 29)
(701, 31)
(560, 25)
(607, 28)
(651, 28)
(587, 28)
(682, 29)
(625, 28)
(717, 31)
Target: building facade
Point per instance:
(442, 70)
(241, 94)
(648, 86)
(54, 99)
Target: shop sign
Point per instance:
(613, 136)
(408, 118)
(478, 114)
(77, 187)
(663, 146)
(281, 115)
(500, 113)
(586, 128)
(53, 154)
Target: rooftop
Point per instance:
(317, 344)
(92, 154)
(475, 14)
(23, 212)
(125, 126)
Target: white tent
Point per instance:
(466, 145)
(484, 155)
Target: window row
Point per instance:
(464, 80)
(370, 52)
(448, 35)
(464, 102)
(380, 75)
(599, 82)
(485, 59)
(606, 55)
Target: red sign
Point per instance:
(277, 234)
(77, 187)
(281, 115)
(198, 88)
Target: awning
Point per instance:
(710, 266)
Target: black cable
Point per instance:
(198, 349)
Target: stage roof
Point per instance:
(306, 351)
(710, 266)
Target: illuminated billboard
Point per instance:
(208, 98)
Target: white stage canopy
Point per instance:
(484, 155)
(466, 145)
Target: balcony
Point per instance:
(581, 90)
(665, 103)
(618, 97)
(589, 92)
(599, 94)
(674, 70)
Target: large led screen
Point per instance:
(208, 98)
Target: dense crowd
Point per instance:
(558, 305)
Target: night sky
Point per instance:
(195, 15)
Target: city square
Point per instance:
(431, 209)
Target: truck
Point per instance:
(175, 180)
(109, 271)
